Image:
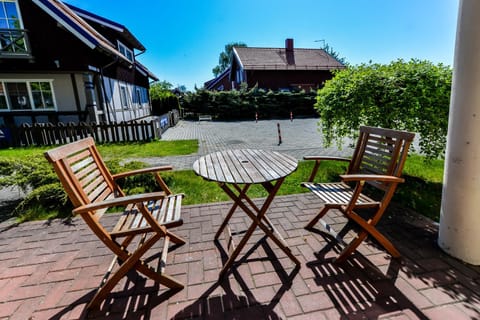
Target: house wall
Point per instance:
(287, 79)
(136, 107)
(223, 85)
(68, 103)
(59, 56)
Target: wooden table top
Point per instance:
(244, 166)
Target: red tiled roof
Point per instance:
(276, 59)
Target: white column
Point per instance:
(460, 212)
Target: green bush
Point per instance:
(162, 105)
(46, 197)
(163, 100)
(412, 95)
(133, 184)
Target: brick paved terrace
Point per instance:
(49, 270)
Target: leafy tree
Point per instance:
(412, 95)
(181, 88)
(163, 98)
(161, 89)
(328, 49)
(225, 58)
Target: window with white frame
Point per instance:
(138, 97)
(26, 95)
(141, 95)
(42, 95)
(3, 98)
(127, 52)
(124, 97)
(9, 15)
(12, 36)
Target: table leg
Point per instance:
(231, 211)
(256, 221)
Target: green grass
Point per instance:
(148, 149)
(421, 191)
(198, 190)
(118, 150)
(20, 153)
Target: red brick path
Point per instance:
(50, 271)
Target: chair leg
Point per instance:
(132, 260)
(175, 239)
(317, 217)
(368, 228)
(350, 248)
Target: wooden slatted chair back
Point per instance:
(381, 152)
(92, 190)
(83, 173)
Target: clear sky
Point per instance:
(184, 37)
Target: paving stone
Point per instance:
(51, 270)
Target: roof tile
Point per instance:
(253, 58)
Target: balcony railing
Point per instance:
(14, 43)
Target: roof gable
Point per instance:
(77, 26)
(210, 84)
(69, 17)
(117, 27)
(251, 58)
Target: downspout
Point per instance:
(76, 96)
(139, 103)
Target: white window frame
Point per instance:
(138, 97)
(18, 12)
(29, 93)
(124, 101)
(4, 94)
(125, 51)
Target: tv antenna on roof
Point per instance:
(321, 40)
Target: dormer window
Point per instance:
(12, 36)
(9, 15)
(125, 51)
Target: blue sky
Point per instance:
(184, 37)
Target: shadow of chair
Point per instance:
(220, 301)
(357, 288)
(146, 219)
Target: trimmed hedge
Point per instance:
(243, 104)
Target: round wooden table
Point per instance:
(235, 171)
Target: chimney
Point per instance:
(289, 45)
(289, 51)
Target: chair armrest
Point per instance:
(326, 158)
(119, 201)
(141, 171)
(370, 177)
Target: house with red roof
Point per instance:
(60, 63)
(287, 68)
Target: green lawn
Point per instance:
(27, 167)
(421, 192)
(118, 150)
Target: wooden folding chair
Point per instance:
(92, 190)
(377, 162)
